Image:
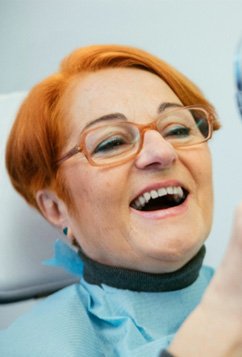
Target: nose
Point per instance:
(156, 152)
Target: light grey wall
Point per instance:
(197, 37)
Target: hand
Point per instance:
(215, 327)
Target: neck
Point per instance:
(97, 274)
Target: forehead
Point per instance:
(132, 92)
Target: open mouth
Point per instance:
(162, 198)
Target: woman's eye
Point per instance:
(178, 131)
(109, 144)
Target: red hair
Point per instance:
(37, 136)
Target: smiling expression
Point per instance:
(117, 220)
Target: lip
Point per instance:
(163, 213)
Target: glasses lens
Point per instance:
(185, 127)
(112, 143)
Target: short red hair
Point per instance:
(37, 136)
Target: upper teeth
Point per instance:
(146, 196)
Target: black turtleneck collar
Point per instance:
(97, 274)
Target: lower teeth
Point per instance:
(156, 204)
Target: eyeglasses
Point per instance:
(120, 141)
(238, 75)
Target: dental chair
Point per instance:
(26, 239)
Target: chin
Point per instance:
(172, 257)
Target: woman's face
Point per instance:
(108, 229)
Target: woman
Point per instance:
(113, 150)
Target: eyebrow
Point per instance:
(119, 116)
(167, 105)
(112, 116)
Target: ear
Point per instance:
(52, 208)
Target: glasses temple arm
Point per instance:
(69, 154)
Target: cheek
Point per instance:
(199, 164)
(99, 215)
(202, 173)
(79, 185)
(94, 191)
